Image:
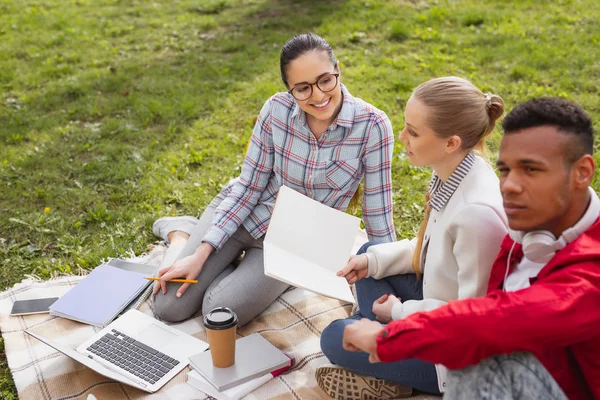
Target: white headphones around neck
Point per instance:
(540, 246)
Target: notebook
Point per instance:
(148, 270)
(236, 392)
(307, 243)
(254, 357)
(101, 296)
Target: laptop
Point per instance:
(135, 349)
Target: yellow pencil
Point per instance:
(152, 278)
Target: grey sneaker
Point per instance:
(343, 384)
(165, 225)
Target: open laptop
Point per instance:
(135, 349)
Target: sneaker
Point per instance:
(165, 225)
(343, 384)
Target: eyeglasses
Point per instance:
(326, 83)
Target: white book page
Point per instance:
(288, 267)
(319, 234)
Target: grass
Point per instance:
(116, 112)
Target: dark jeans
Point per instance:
(418, 374)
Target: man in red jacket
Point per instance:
(536, 334)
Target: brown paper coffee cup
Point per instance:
(221, 325)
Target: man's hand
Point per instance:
(382, 307)
(362, 336)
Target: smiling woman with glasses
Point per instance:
(317, 139)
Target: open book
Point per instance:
(307, 243)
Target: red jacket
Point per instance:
(557, 319)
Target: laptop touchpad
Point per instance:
(155, 336)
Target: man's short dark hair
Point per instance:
(566, 116)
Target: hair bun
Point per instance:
(494, 106)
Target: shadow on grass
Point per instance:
(84, 141)
(135, 89)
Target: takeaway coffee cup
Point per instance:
(221, 324)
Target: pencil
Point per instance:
(152, 278)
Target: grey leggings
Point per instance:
(243, 288)
(516, 376)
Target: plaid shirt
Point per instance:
(283, 151)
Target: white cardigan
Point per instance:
(463, 241)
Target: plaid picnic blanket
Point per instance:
(293, 323)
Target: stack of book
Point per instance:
(256, 362)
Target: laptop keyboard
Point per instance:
(133, 356)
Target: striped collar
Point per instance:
(441, 191)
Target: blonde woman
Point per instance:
(447, 120)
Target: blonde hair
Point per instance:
(456, 108)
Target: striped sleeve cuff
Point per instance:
(216, 237)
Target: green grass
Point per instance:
(115, 112)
